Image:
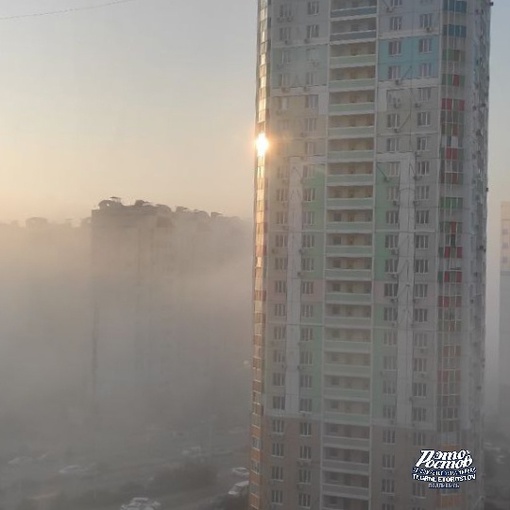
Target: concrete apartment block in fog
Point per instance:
(168, 321)
(369, 274)
(504, 316)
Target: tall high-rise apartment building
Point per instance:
(369, 272)
(504, 317)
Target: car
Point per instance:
(20, 461)
(142, 503)
(241, 471)
(239, 490)
(73, 470)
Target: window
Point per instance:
(422, 193)
(312, 101)
(276, 496)
(280, 287)
(305, 358)
(392, 217)
(423, 168)
(305, 381)
(308, 194)
(308, 171)
(278, 426)
(390, 362)
(311, 78)
(280, 310)
(307, 264)
(286, 57)
(277, 473)
(425, 45)
(420, 315)
(305, 428)
(313, 8)
(305, 452)
(388, 486)
(419, 389)
(420, 340)
(308, 218)
(305, 405)
(390, 314)
(304, 500)
(393, 120)
(421, 266)
(419, 489)
(278, 379)
(388, 461)
(391, 241)
(279, 403)
(312, 31)
(422, 143)
(425, 70)
(388, 506)
(283, 80)
(282, 218)
(307, 311)
(426, 20)
(311, 124)
(396, 23)
(280, 264)
(282, 195)
(420, 365)
(423, 119)
(390, 338)
(395, 3)
(284, 34)
(394, 48)
(307, 288)
(393, 72)
(285, 10)
(305, 476)
(308, 241)
(278, 356)
(392, 144)
(422, 217)
(419, 438)
(281, 240)
(388, 436)
(419, 414)
(306, 335)
(389, 387)
(420, 290)
(391, 265)
(310, 148)
(277, 449)
(393, 169)
(424, 94)
(390, 289)
(392, 193)
(389, 412)
(279, 332)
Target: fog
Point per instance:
(112, 329)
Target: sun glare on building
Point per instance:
(262, 144)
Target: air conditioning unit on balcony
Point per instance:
(398, 81)
(417, 105)
(394, 251)
(390, 8)
(396, 130)
(430, 29)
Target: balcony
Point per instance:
(352, 132)
(353, 370)
(342, 250)
(348, 298)
(350, 179)
(337, 346)
(347, 467)
(348, 274)
(358, 419)
(349, 226)
(345, 491)
(357, 84)
(352, 61)
(363, 395)
(354, 36)
(350, 203)
(348, 108)
(355, 11)
(346, 441)
(346, 156)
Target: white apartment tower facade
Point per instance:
(370, 233)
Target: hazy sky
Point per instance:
(154, 99)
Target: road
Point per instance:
(125, 465)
